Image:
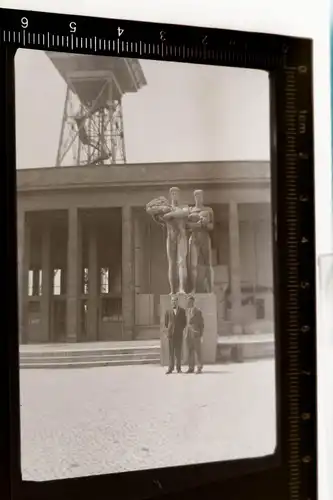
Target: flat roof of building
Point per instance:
(136, 175)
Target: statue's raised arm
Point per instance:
(177, 213)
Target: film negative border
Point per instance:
(289, 61)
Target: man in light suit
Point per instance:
(194, 334)
(175, 322)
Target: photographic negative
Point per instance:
(145, 264)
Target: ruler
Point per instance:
(289, 61)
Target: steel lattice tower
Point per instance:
(92, 130)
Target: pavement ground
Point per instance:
(78, 422)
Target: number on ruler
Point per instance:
(204, 40)
(162, 35)
(24, 22)
(120, 31)
(72, 27)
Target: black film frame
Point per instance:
(291, 471)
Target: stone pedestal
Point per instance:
(206, 302)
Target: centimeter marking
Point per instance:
(293, 279)
(295, 128)
(161, 48)
(53, 41)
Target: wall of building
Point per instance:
(81, 215)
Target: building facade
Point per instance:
(92, 263)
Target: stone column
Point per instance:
(235, 267)
(73, 288)
(23, 252)
(138, 253)
(93, 288)
(127, 273)
(47, 285)
(138, 266)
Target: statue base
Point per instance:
(207, 303)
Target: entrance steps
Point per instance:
(234, 348)
(89, 354)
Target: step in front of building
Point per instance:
(85, 363)
(252, 347)
(42, 357)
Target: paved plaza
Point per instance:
(78, 422)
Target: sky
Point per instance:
(185, 113)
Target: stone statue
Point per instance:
(200, 223)
(174, 216)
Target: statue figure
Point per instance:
(174, 217)
(200, 223)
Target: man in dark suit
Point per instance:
(175, 322)
(194, 334)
